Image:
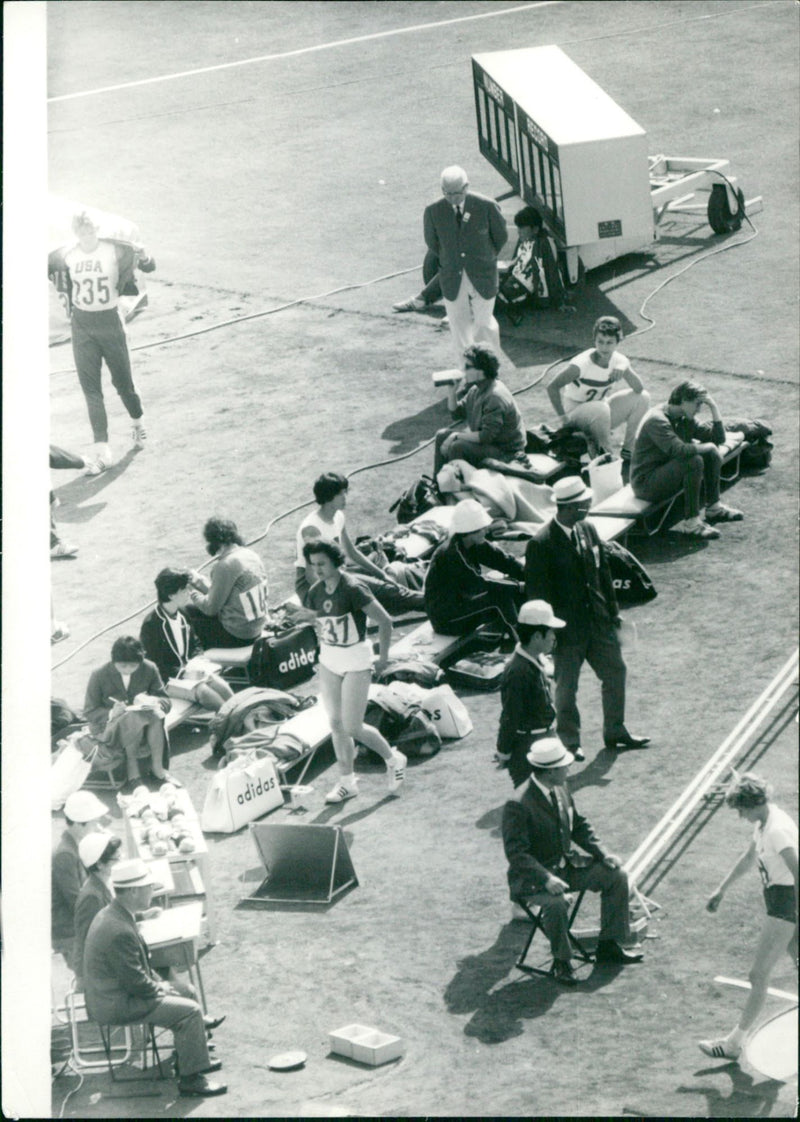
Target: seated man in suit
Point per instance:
(121, 986)
(566, 565)
(540, 827)
(495, 428)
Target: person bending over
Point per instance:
(125, 706)
(458, 597)
(231, 608)
(170, 641)
(327, 523)
(495, 428)
(774, 850)
(675, 451)
(541, 826)
(586, 396)
(339, 607)
(527, 711)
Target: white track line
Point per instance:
(307, 50)
(742, 985)
(658, 838)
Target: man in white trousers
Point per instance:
(466, 231)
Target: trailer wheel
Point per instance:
(721, 218)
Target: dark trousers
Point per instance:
(210, 631)
(690, 475)
(612, 884)
(600, 648)
(498, 604)
(184, 1018)
(395, 598)
(450, 445)
(97, 336)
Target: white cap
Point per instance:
(83, 807)
(133, 873)
(469, 516)
(571, 489)
(549, 752)
(538, 613)
(93, 846)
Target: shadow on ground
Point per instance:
(498, 1015)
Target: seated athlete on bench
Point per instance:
(230, 610)
(458, 598)
(495, 428)
(673, 451)
(327, 524)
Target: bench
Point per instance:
(543, 468)
(425, 643)
(623, 504)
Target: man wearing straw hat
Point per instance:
(541, 826)
(121, 986)
(566, 565)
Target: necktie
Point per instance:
(563, 824)
(458, 215)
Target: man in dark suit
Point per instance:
(121, 986)
(566, 565)
(540, 825)
(466, 232)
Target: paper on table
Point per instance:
(173, 924)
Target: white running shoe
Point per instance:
(139, 434)
(102, 460)
(396, 769)
(720, 1049)
(341, 792)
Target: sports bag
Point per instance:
(419, 497)
(402, 722)
(757, 448)
(245, 787)
(448, 712)
(632, 583)
(70, 769)
(284, 659)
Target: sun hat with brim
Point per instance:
(93, 846)
(549, 752)
(133, 873)
(572, 489)
(538, 613)
(83, 807)
(469, 516)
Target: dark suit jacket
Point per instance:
(578, 587)
(158, 641)
(67, 876)
(119, 982)
(472, 246)
(106, 684)
(92, 898)
(533, 838)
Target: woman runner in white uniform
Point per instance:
(339, 606)
(774, 848)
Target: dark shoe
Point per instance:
(609, 951)
(577, 752)
(199, 1085)
(563, 973)
(213, 1022)
(627, 740)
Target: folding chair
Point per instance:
(148, 1045)
(90, 1052)
(535, 916)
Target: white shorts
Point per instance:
(346, 660)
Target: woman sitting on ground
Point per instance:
(125, 706)
(339, 607)
(170, 641)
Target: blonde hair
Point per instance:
(748, 790)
